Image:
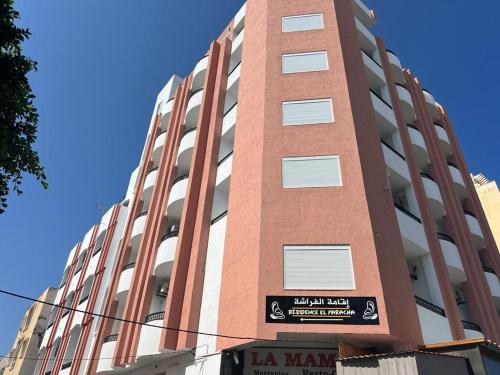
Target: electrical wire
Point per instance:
(201, 357)
(249, 338)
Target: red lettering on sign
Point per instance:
(293, 359)
(255, 359)
(270, 360)
(327, 361)
(310, 361)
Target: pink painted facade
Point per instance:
(202, 255)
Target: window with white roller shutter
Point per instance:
(302, 22)
(318, 267)
(304, 62)
(307, 112)
(311, 171)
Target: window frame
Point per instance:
(302, 16)
(303, 101)
(294, 54)
(313, 157)
(319, 246)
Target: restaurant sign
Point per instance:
(267, 361)
(322, 310)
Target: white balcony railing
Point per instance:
(166, 255)
(193, 109)
(396, 68)
(149, 184)
(185, 152)
(433, 322)
(399, 175)
(412, 233)
(138, 230)
(149, 340)
(458, 180)
(176, 197)
(475, 230)
(419, 146)
(375, 73)
(199, 74)
(362, 13)
(125, 281)
(107, 354)
(452, 259)
(444, 140)
(165, 112)
(406, 103)
(158, 148)
(432, 105)
(366, 39)
(434, 197)
(386, 121)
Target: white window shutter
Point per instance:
(305, 62)
(311, 171)
(307, 112)
(302, 22)
(316, 267)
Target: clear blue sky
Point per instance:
(102, 63)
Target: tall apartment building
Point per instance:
(489, 195)
(299, 193)
(29, 337)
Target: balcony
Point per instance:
(452, 259)
(158, 147)
(375, 73)
(366, 39)
(419, 146)
(399, 175)
(433, 196)
(166, 111)
(65, 368)
(229, 123)
(107, 354)
(185, 152)
(166, 255)
(363, 14)
(176, 197)
(239, 19)
(444, 141)
(125, 281)
(396, 68)
(433, 322)
(149, 341)
(224, 172)
(471, 330)
(149, 184)
(458, 180)
(193, 109)
(406, 103)
(412, 233)
(386, 121)
(199, 74)
(475, 230)
(138, 229)
(432, 105)
(236, 50)
(233, 82)
(494, 284)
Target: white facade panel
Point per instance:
(305, 62)
(302, 22)
(314, 267)
(302, 112)
(307, 172)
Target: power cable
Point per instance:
(249, 338)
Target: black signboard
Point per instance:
(322, 310)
